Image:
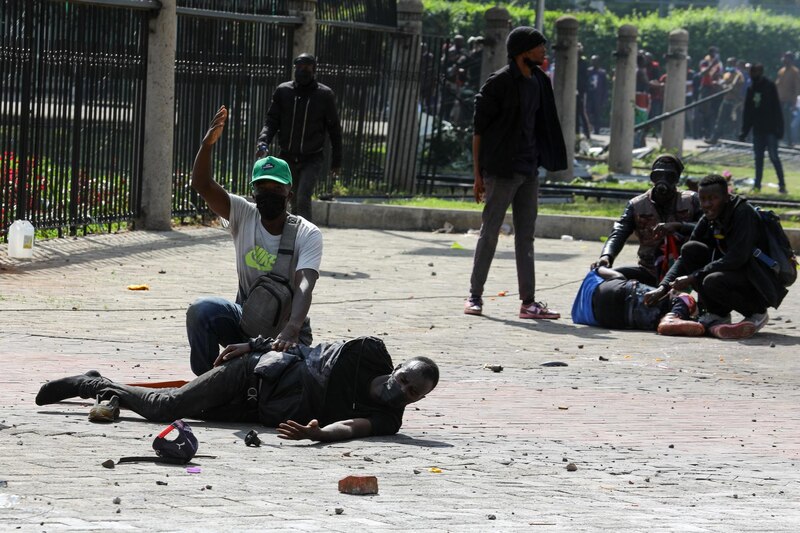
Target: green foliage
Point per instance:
(753, 34)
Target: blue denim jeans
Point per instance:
(769, 142)
(212, 322)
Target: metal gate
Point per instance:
(72, 80)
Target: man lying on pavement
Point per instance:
(338, 391)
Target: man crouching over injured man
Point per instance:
(344, 390)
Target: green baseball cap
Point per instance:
(272, 168)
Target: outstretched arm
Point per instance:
(304, 280)
(354, 428)
(212, 192)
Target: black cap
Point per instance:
(305, 59)
(668, 161)
(522, 39)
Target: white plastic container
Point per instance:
(20, 240)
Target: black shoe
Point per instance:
(61, 389)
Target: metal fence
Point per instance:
(232, 59)
(71, 111)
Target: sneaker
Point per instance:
(741, 330)
(710, 319)
(783, 191)
(473, 306)
(538, 310)
(672, 324)
(105, 411)
(759, 320)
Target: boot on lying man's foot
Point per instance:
(672, 324)
(83, 385)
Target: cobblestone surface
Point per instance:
(669, 434)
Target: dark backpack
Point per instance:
(268, 305)
(779, 257)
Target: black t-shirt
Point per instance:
(608, 303)
(348, 391)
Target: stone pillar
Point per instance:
(672, 129)
(565, 87)
(305, 35)
(401, 149)
(494, 46)
(620, 151)
(156, 213)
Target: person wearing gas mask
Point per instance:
(662, 218)
(301, 113)
(256, 229)
(334, 391)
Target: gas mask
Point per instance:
(665, 185)
(303, 77)
(392, 393)
(271, 205)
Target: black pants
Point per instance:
(639, 273)
(219, 395)
(720, 292)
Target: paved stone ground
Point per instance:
(667, 435)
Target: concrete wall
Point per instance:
(394, 217)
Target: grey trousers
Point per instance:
(522, 194)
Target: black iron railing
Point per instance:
(71, 112)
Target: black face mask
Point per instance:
(303, 77)
(530, 63)
(665, 185)
(392, 394)
(271, 205)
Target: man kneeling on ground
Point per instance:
(337, 391)
(718, 262)
(608, 299)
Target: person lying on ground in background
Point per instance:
(338, 391)
(608, 299)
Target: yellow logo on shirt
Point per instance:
(260, 259)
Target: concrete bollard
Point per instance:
(565, 87)
(494, 46)
(620, 151)
(305, 36)
(673, 129)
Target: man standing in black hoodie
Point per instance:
(762, 112)
(301, 113)
(718, 262)
(516, 131)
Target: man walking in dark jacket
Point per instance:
(718, 262)
(516, 131)
(762, 112)
(301, 113)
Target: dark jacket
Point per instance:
(641, 216)
(301, 116)
(733, 237)
(293, 385)
(498, 121)
(762, 109)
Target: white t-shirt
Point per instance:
(257, 249)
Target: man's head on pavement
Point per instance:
(409, 382)
(756, 71)
(713, 193)
(665, 173)
(272, 186)
(305, 67)
(529, 43)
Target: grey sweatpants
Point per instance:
(522, 194)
